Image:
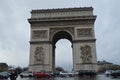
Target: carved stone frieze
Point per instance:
(61, 23)
(39, 34)
(86, 54)
(38, 55)
(70, 30)
(54, 30)
(84, 32)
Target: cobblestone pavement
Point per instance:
(98, 77)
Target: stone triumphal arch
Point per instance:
(50, 25)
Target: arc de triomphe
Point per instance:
(50, 25)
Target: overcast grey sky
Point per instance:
(15, 29)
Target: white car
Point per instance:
(72, 74)
(67, 74)
(26, 74)
(64, 74)
(108, 72)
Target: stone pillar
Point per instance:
(85, 48)
(40, 57)
(84, 56)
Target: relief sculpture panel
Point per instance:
(38, 55)
(86, 32)
(86, 54)
(39, 34)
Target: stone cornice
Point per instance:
(62, 18)
(38, 64)
(85, 40)
(86, 63)
(62, 10)
(74, 41)
(39, 42)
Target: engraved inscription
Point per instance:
(38, 55)
(86, 54)
(86, 32)
(39, 34)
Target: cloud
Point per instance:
(107, 30)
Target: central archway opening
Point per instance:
(63, 55)
(62, 50)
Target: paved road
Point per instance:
(98, 77)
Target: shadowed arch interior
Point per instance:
(61, 35)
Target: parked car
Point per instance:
(55, 74)
(115, 74)
(64, 74)
(108, 72)
(4, 75)
(90, 73)
(72, 74)
(26, 74)
(68, 74)
(41, 74)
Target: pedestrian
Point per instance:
(13, 75)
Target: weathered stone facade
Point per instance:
(50, 25)
(3, 67)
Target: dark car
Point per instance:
(4, 75)
(41, 74)
(90, 73)
(55, 74)
(115, 74)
